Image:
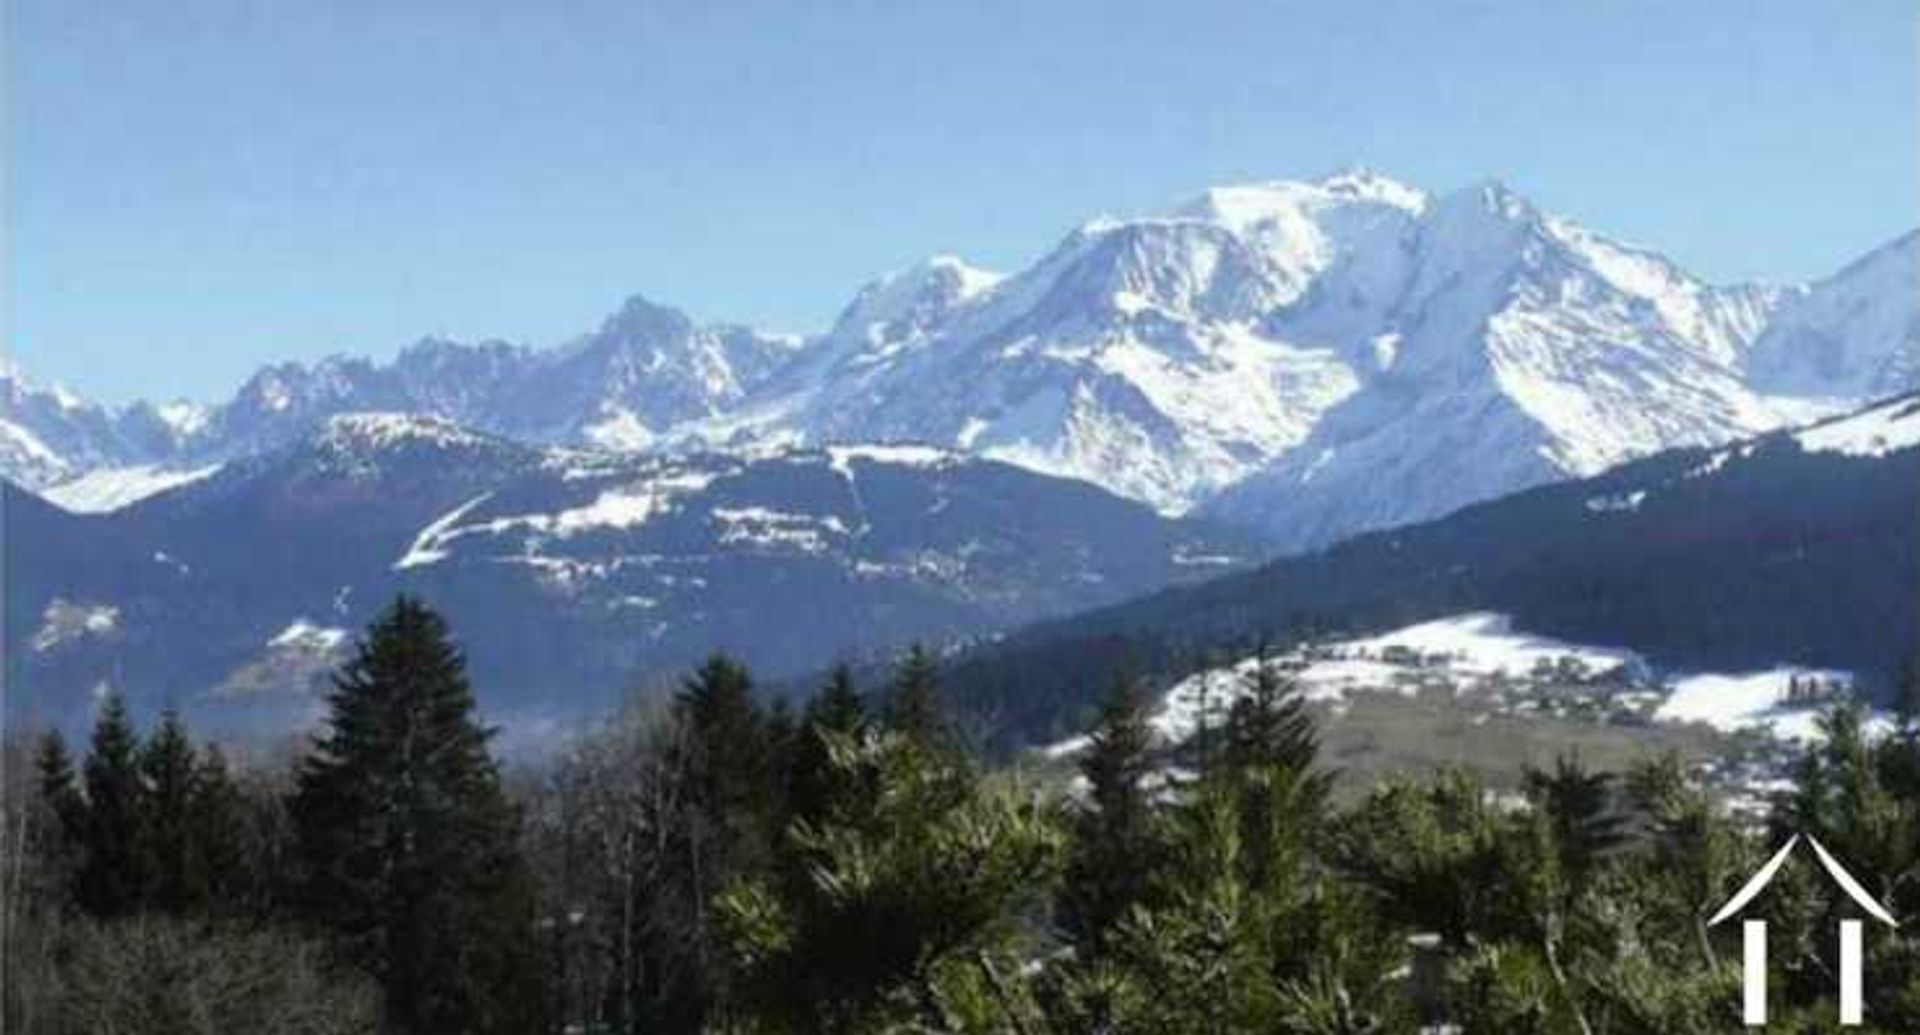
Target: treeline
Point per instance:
(377, 885)
(717, 862)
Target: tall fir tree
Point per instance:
(407, 841)
(60, 822)
(176, 881)
(913, 707)
(1113, 848)
(1267, 766)
(115, 868)
(728, 756)
(723, 829)
(1268, 724)
(816, 787)
(219, 829)
(53, 770)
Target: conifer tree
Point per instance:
(62, 818)
(1581, 814)
(838, 706)
(913, 707)
(1113, 848)
(1268, 725)
(816, 786)
(176, 881)
(720, 830)
(53, 767)
(1267, 766)
(220, 832)
(908, 911)
(727, 761)
(407, 841)
(114, 870)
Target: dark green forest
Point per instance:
(728, 861)
(1783, 556)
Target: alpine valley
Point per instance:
(1268, 368)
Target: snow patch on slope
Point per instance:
(111, 488)
(1477, 644)
(301, 634)
(1468, 649)
(431, 545)
(1733, 702)
(1873, 432)
(65, 622)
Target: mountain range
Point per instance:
(571, 575)
(1424, 404)
(1311, 359)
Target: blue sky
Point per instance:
(196, 187)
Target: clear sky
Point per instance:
(194, 187)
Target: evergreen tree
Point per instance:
(114, 870)
(220, 832)
(53, 768)
(730, 773)
(1267, 765)
(1268, 725)
(1113, 848)
(721, 830)
(407, 841)
(177, 880)
(816, 786)
(838, 706)
(908, 917)
(1579, 807)
(913, 701)
(61, 820)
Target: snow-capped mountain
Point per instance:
(1312, 358)
(1136, 355)
(49, 434)
(646, 369)
(1854, 335)
(570, 574)
(1517, 349)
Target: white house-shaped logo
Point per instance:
(1754, 933)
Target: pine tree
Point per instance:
(407, 840)
(726, 761)
(838, 706)
(115, 869)
(817, 787)
(1268, 725)
(176, 881)
(61, 821)
(1581, 813)
(1267, 767)
(913, 701)
(1113, 848)
(723, 829)
(220, 832)
(906, 918)
(53, 768)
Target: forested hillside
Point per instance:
(722, 864)
(1788, 549)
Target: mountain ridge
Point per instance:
(1268, 353)
(572, 573)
